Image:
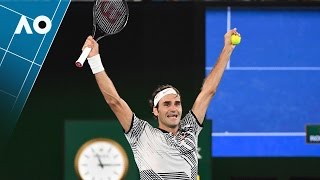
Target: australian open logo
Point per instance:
(41, 25)
(313, 133)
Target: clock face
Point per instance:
(101, 159)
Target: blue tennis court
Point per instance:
(270, 90)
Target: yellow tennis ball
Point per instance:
(235, 39)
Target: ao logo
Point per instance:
(41, 24)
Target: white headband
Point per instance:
(161, 94)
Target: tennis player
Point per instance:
(170, 150)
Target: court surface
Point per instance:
(270, 90)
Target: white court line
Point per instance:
(259, 134)
(271, 68)
(20, 57)
(8, 93)
(15, 12)
(260, 68)
(6, 50)
(52, 18)
(228, 28)
(33, 62)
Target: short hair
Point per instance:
(156, 91)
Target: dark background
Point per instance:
(163, 43)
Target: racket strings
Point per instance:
(111, 16)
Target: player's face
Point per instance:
(169, 112)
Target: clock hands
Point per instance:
(100, 163)
(111, 164)
(101, 159)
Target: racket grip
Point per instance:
(83, 57)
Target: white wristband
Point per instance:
(95, 64)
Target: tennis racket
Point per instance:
(109, 17)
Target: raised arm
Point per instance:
(212, 81)
(119, 107)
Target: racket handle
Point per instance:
(83, 57)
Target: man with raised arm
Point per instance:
(170, 150)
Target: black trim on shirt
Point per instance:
(201, 125)
(131, 125)
(164, 131)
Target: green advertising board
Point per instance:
(313, 133)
